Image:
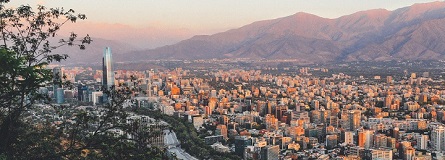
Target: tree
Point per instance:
(15, 78)
(25, 51)
(188, 137)
(108, 135)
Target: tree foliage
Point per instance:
(25, 51)
(102, 132)
(188, 136)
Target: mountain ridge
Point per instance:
(408, 33)
(93, 52)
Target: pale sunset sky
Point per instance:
(190, 17)
(210, 14)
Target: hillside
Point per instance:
(410, 33)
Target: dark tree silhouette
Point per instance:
(25, 51)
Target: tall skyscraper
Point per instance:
(107, 68)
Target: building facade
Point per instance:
(107, 69)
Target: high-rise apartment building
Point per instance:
(422, 142)
(438, 138)
(365, 138)
(107, 68)
(270, 152)
(409, 153)
(331, 141)
(221, 130)
(349, 138)
(241, 142)
(384, 154)
(354, 117)
(82, 93)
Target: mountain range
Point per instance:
(93, 52)
(416, 32)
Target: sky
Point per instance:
(210, 14)
(180, 19)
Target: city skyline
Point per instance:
(301, 110)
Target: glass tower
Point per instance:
(108, 74)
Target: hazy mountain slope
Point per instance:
(94, 51)
(414, 32)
